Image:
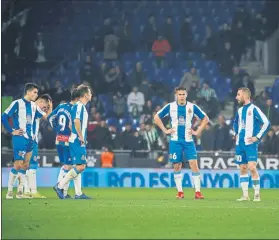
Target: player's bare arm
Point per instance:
(160, 124)
(202, 125)
(78, 129)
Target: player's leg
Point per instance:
(68, 164)
(252, 158)
(175, 157)
(22, 172)
(13, 176)
(60, 152)
(191, 156)
(27, 189)
(240, 158)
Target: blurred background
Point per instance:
(133, 54)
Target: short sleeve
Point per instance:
(164, 111)
(198, 112)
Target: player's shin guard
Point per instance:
(68, 177)
(77, 183)
(26, 184)
(32, 179)
(21, 179)
(197, 181)
(178, 181)
(12, 178)
(256, 185)
(62, 173)
(244, 182)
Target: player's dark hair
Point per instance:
(45, 97)
(83, 89)
(30, 87)
(180, 89)
(75, 94)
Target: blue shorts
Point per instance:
(78, 153)
(177, 148)
(245, 154)
(34, 159)
(64, 154)
(21, 146)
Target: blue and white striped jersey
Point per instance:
(36, 126)
(250, 121)
(181, 118)
(79, 112)
(23, 114)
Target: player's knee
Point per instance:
(80, 168)
(253, 168)
(194, 165)
(177, 167)
(67, 167)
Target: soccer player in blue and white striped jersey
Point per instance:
(77, 142)
(182, 114)
(250, 125)
(44, 102)
(60, 120)
(23, 113)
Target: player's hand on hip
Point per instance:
(18, 132)
(170, 131)
(252, 139)
(82, 142)
(193, 132)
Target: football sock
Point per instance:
(12, 178)
(77, 183)
(178, 181)
(26, 184)
(21, 179)
(32, 179)
(197, 181)
(244, 182)
(68, 177)
(66, 186)
(61, 174)
(256, 185)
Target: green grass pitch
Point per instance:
(142, 213)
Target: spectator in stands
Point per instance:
(193, 92)
(271, 113)
(111, 46)
(260, 100)
(159, 48)
(104, 30)
(208, 99)
(248, 83)
(152, 138)
(226, 59)
(45, 88)
(60, 93)
(186, 35)
(222, 135)
(225, 34)
(137, 142)
(147, 112)
(135, 102)
(239, 41)
(115, 138)
(207, 138)
(147, 89)
(101, 136)
(119, 105)
(97, 104)
(260, 35)
(112, 79)
(210, 43)
(271, 143)
(125, 38)
(150, 32)
(126, 135)
(241, 15)
(86, 71)
(40, 48)
(95, 116)
(138, 76)
(188, 78)
(168, 31)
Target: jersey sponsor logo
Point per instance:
(189, 111)
(249, 113)
(181, 120)
(62, 138)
